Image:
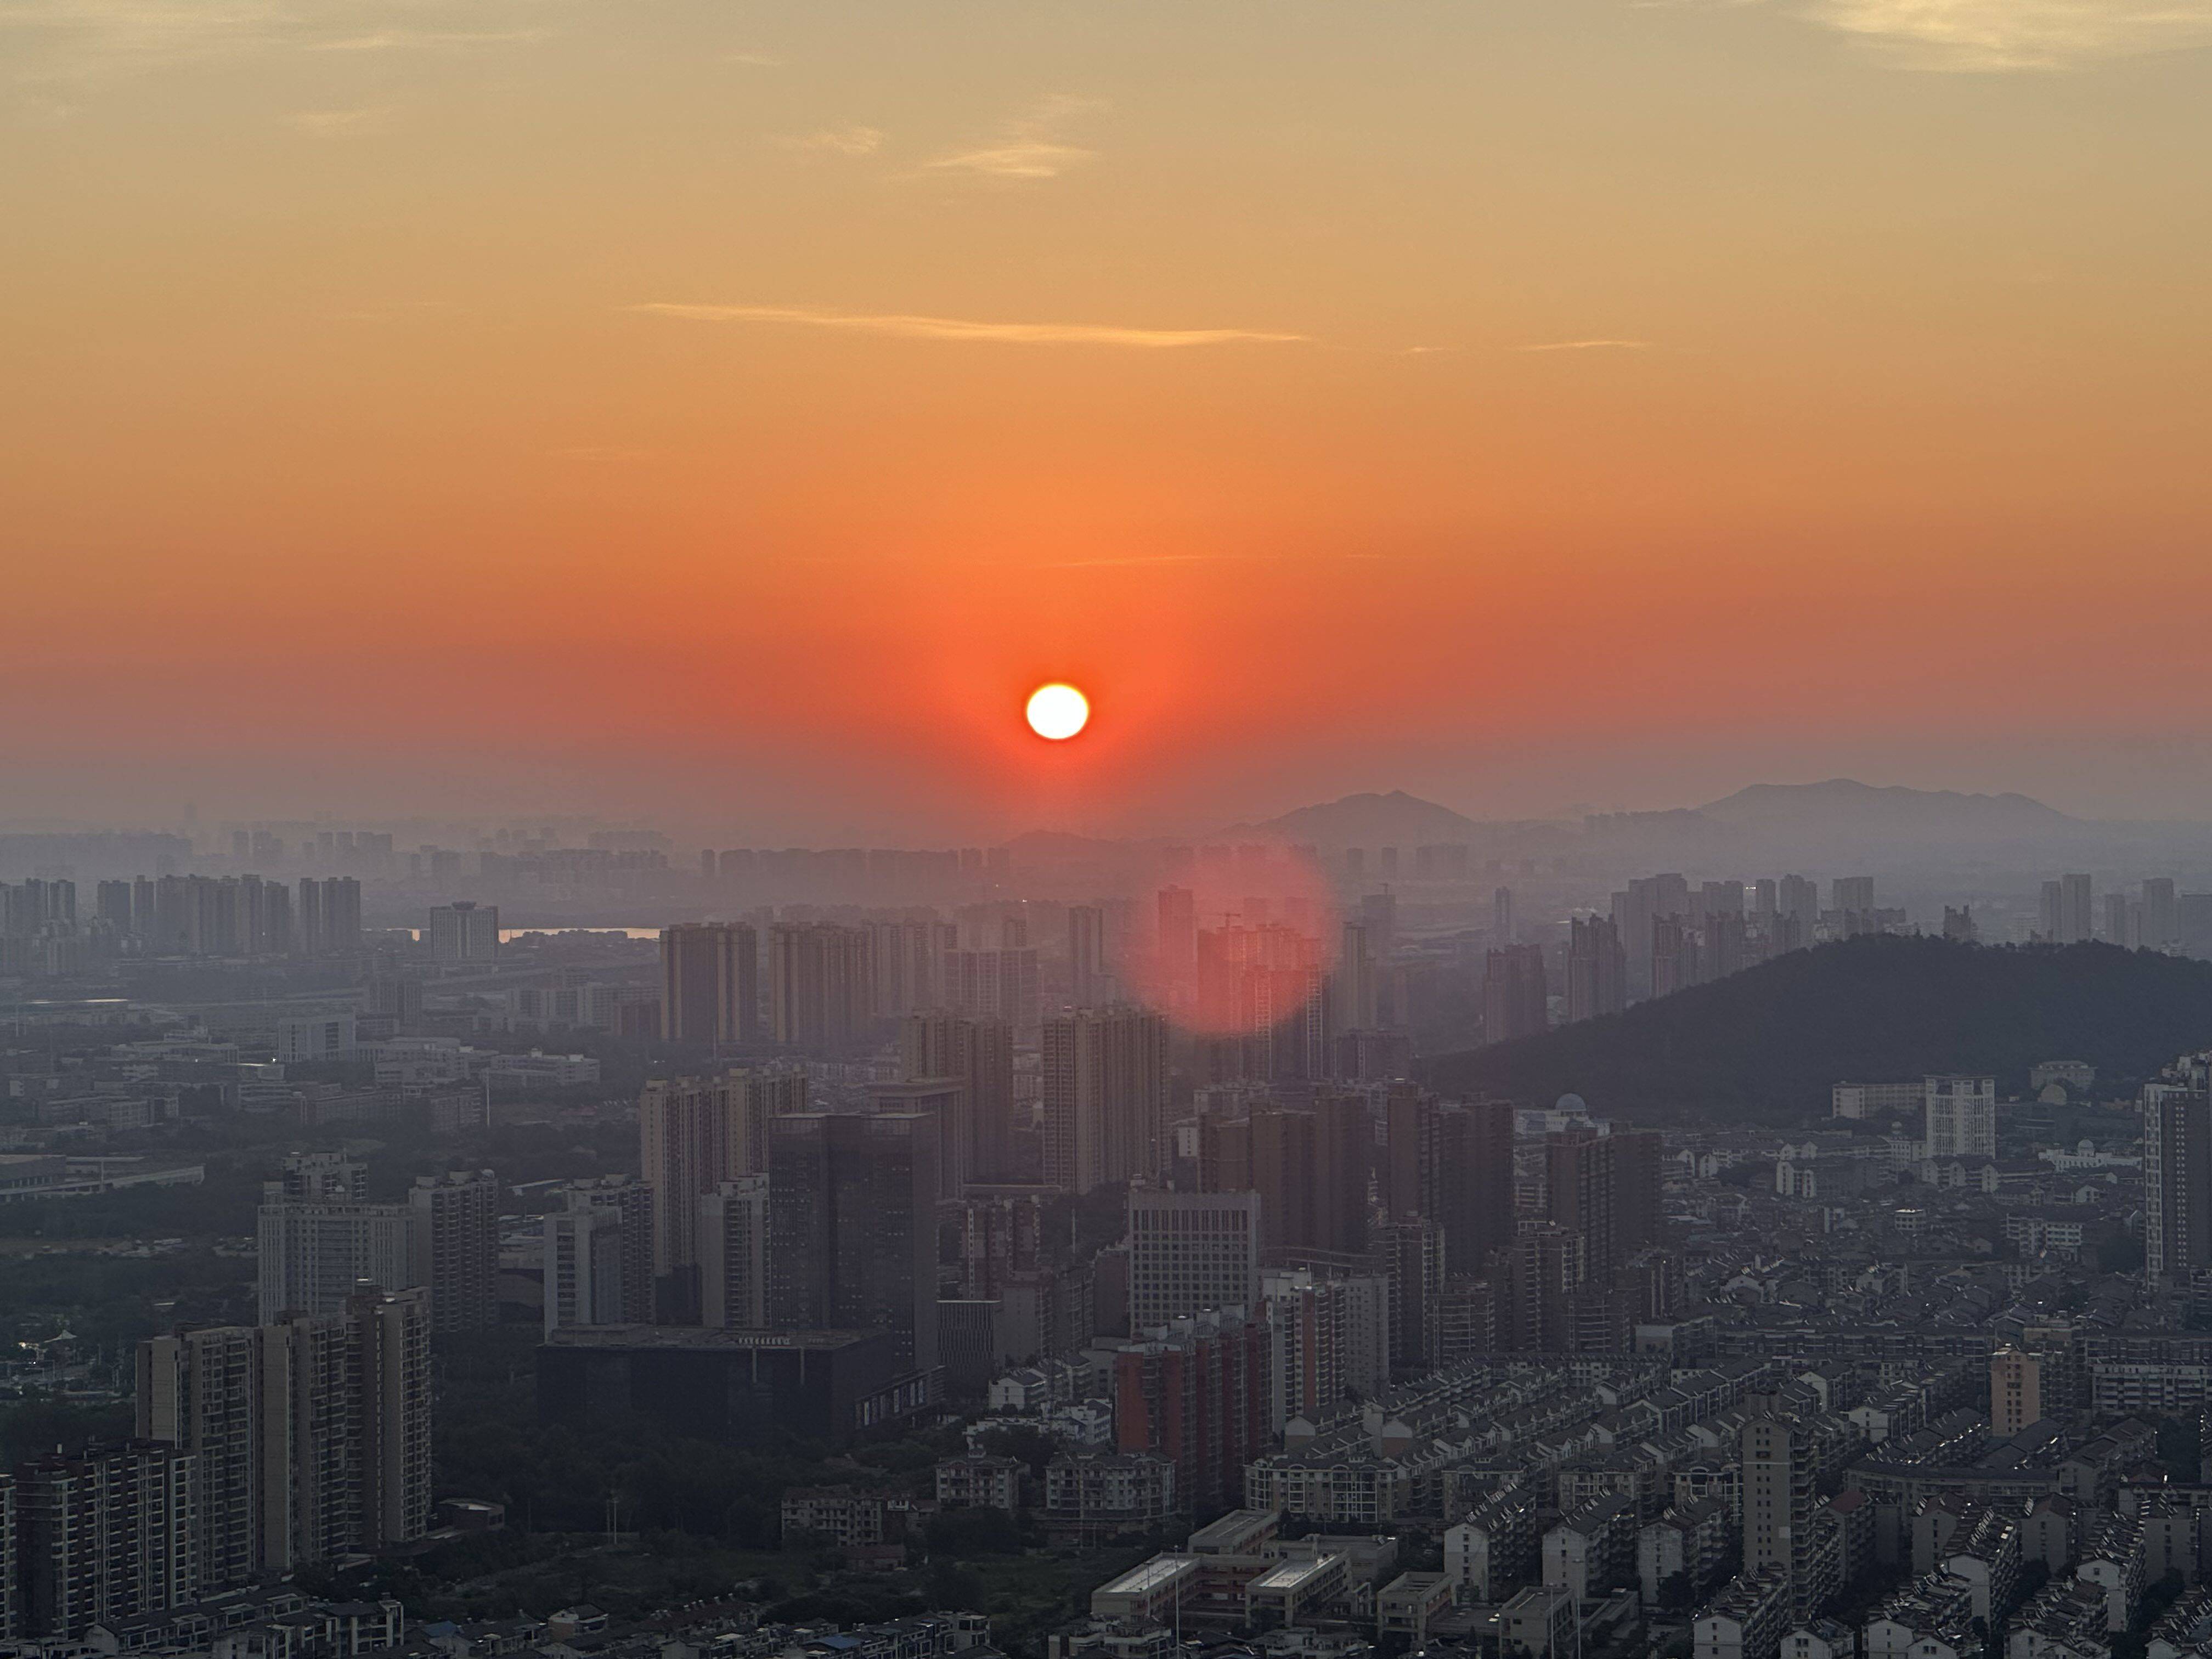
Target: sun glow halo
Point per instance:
(1058, 711)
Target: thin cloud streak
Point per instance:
(82, 39)
(1029, 146)
(1588, 345)
(907, 326)
(1985, 36)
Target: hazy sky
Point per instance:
(593, 403)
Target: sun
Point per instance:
(1058, 711)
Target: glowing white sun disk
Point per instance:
(1058, 711)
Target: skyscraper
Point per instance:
(1177, 941)
(1473, 1185)
(1501, 919)
(1597, 968)
(1308, 1161)
(734, 1243)
(1780, 1500)
(1579, 1181)
(105, 1536)
(326, 921)
(821, 996)
(709, 983)
(599, 1254)
(1191, 1251)
(1088, 984)
(1105, 1092)
(2159, 931)
(694, 1134)
(1851, 895)
(908, 964)
(1637, 1208)
(319, 1240)
(979, 1055)
(456, 1247)
(2176, 1145)
(852, 1226)
(1515, 996)
(994, 984)
(310, 1436)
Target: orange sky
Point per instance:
(523, 404)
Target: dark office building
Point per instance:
(852, 1226)
(726, 1385)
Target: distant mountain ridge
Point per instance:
(1845, 803)
(1766, 1044)
(1396, 819)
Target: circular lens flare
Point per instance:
(1058, 712)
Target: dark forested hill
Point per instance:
(1769, 1042)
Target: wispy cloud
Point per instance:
(79, 39)
(837, 140)
(1028, 146)
(1587, 345)
(1996, 35)
(2000, 36)
(906, 326)
(753, 59)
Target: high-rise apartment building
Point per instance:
(979, 1055)
(1579, 1184)
(1962, 1117)
(456, 1247)
(1089, 981)
(2067, 914)
(733, 1245)
(326, 921)
(852, 1226)
(2016, 1391)
(2177, 1145)
(1307, 1159)
(1798, 900)
(1176, 943)
(820, 986)
(1516, 998)
(1451, 1165)
(694, 1134)
(105, 1536)
(1597, 968)
(320, 1241)
(1190, 1251)
(1851, 895)
(1780, 1504)
(1105, 1084)
(309, 1437)
(1638, 1214)
(2161, 931)
(1325, 1334)
(709, 983)
(599, 1254)
(908, 964)
(1001, 983)
(463, 933)
(1195, 1393)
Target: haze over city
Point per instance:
(1105, 829)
